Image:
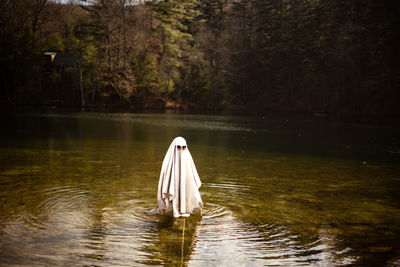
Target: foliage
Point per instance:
(296, 55)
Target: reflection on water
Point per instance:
(74, 188)
(175, 241)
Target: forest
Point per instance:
(319, 56)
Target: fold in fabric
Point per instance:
(179, 183)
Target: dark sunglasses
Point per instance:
(179, 147)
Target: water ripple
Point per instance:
(209, 123)
(223, 235)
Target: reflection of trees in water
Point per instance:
(176, 240)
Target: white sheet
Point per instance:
(179, 182)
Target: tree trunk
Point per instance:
(167, 92)
(181, 87)
(81, 86)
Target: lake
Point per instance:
(277, 190)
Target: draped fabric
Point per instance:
(179, 182)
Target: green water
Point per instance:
(277, 191)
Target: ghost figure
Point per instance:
(178, 186)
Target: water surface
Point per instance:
(277, 191)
